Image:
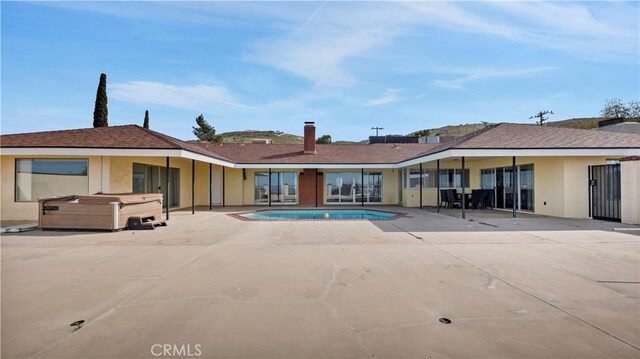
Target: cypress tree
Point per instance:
(146, 119)
(100, 113)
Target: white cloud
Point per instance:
(318, 48)
(602, 33)
(325, 44)
(470, 75)
(389, 96)
(196, 97)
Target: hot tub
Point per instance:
(110, 212)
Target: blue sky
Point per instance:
(348, 66)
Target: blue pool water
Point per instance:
(318, 214)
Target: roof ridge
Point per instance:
(161, 136)
(460, 140)
(66, 130)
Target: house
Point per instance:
(552, 171)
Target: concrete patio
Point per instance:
(529, 287)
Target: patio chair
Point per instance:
(477, 199)
(488, 198)
(452, 198)
(444, 200)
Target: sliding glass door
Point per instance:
(346, 187)
(153, 179)
(526, 188)
(501, 180)
(284, 187)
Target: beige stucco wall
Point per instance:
(576, 185)
(233, 189)
(12, 210)
(630, 191)
(121, 171)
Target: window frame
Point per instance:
(453, 172)
(279, 173)
(358, 177)
(15, 173)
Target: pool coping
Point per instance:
(238, 215)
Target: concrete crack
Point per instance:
(334, 310)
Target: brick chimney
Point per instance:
(309, 138)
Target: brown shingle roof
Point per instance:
(326, 154)
(502, 136)
(120, 137)
(521, 136)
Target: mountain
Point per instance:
(279, 137)
(247, 135)
(586, 123)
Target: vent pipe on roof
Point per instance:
(309, 138)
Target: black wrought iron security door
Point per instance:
(604, 191)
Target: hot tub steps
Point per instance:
(148, 222)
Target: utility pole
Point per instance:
(541, 116)
(377, 128)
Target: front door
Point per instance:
(604, 183)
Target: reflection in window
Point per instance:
(284, 187)
(50, 177)
(153, 179)
(449, 178)
(502, 180)
(346, 187)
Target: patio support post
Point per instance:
(420, 185)
(222, 186)
(210, 189)
(464, 200)
(193, 186)
(316, 191)
(513, 184)
(362, 189)
(167, 189)
(269, 190)
(438, 183)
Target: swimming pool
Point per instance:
(317, 214)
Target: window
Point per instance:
(153, 179)
(449, 178)
(501, 179)
(284, 187)
(487, 179)
(346, 187)
(50, 177)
